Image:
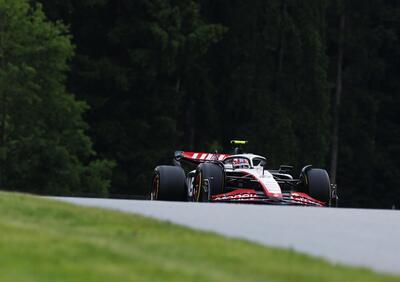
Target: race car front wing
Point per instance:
(253, 197)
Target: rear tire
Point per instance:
(208, 181)
(168, 184)
(319, 185)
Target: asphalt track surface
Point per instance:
(368, 238)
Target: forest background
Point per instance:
(95, 93)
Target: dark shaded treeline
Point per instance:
(44, 147)
(160, 75)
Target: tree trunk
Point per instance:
(2, 138)
(336, 104)
(189, 115)
(280, 48)
(190, 108)
(3, 115)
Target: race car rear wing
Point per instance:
(198, 157)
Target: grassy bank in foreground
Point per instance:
(44, 240)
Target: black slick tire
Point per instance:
(168, 184)
(318, 183)
(208, 181)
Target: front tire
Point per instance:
(318, 184)
(168, 184)
(208, 181)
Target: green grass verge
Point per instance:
(45, 240)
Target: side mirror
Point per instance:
(228, 166)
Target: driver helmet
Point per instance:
(240, 163)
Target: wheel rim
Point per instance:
(155, 188)
(197, 187)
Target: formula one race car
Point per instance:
(239, 177)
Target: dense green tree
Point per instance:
(158, 77)
(274, 88)
(140, 68)
(43, 145)
(368, 149)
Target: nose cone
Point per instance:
(275, 196)
(273, 190)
